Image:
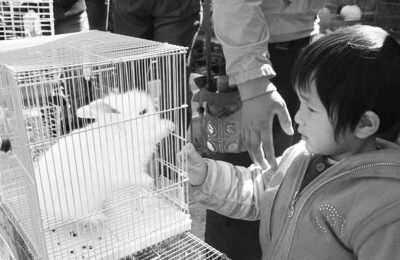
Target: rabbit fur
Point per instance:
(77, 174)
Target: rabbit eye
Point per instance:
(144, 111)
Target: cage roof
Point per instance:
(69, 50)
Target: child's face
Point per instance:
(316, 129)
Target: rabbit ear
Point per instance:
(94, 109)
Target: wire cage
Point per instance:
(95, 120)
(388, 17)
(382, 13)
(26, 18)
(182, 246)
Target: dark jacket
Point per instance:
(66, 8)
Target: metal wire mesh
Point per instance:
(11, 243)
(388, 17)
(95, 120)
(382, 13)
(26, 18)
(184, 246)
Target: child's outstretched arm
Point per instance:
(230, 190)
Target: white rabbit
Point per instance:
(81, 170)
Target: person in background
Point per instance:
(333, 195)
(70, 16)
(261, 40)
(98, 11)
(173, 21)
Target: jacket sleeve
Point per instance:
(374, 226)
(382, 244)
(241, 28)
(232, 191)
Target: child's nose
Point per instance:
(297, 117)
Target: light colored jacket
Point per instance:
(351, 211)
(244, 29)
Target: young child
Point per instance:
(335, 194)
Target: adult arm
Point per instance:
(242, 30)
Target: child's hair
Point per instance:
(355, 69)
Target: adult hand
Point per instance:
(257, 118)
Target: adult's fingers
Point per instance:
(256, 152)
(284, 118)
(268, 147)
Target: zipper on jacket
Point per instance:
(293, 204)
(297, 194)
(287, 220)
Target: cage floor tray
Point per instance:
(132, 225)
(185, 246)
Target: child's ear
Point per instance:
(368, 125)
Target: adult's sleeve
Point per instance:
(241, 28)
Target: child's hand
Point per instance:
(197, 167)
